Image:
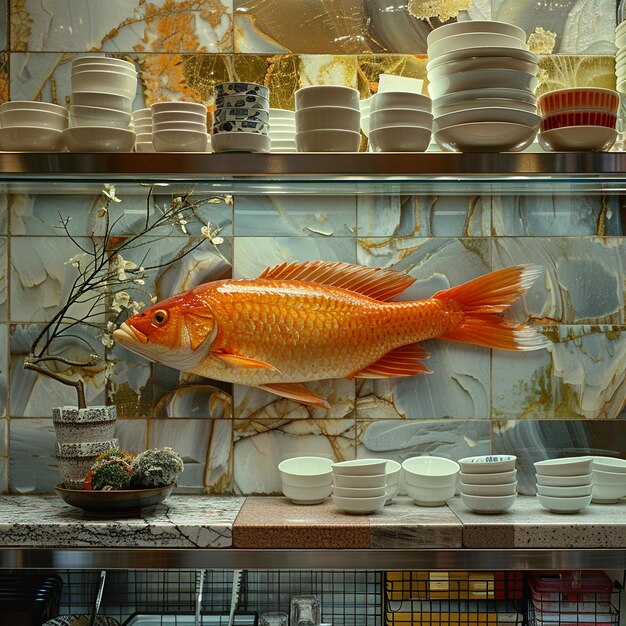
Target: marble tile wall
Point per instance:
(564, 400)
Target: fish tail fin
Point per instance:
(483, 299)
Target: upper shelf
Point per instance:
(340, 172)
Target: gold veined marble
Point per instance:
(20, 26)
(370, 67)
(4, 77)
(328, 69)
(279, 72)
(559, 71)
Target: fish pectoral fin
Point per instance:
(235, 360)
(403, 361)
(297, 393)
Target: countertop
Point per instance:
(192, 521)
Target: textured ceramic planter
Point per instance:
(75, 460)
(73, 425)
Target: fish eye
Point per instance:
(160, 317)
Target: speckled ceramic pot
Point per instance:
(73, 425)
(75, 459)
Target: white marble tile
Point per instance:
(328, 69)
(4, 367)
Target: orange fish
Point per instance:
(302, 322)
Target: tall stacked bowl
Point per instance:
(482, 82)
(179, 126)
(564, 485)
(360, 486)
(488, 483)
(32, 126)
(241, 118)
(283, 130)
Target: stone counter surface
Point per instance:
(273, 522)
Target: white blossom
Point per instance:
(111, 326)
(107, 340)
(135, 306)
(121, 300)
(109, 192)
(211, 233)
(75, 260)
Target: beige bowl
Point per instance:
(335, 140)
(36, 118)
(578, 138)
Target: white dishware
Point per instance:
(237, 115)
(565, 481)
(359, 492)
(327, 117)
(384, 118)
(486, 136)
(601, 477)
(430, 471)
(482, 63)
(100, 99)
(393, 472)
(326, 95)
(400, 100)
(481, 103)
(306, 470)
(359, 506)
(146, 146)
(107, 81)
(286, 115)
(241, 88)
(429, 496)
(479, 94)
(35, 118)
(473, 40)
(336, 140)
(608, 494)
(487, 114)
(489, 478)
(31, 139)
(179, 140)
(33, 104)
(104, 66)
(145, 113)
(392, 82)
(99, 139)
(475, 26)
(143, 127)
(488, 505)
(240, 142)
(564, 492)
(360, 482)
(179, 105)
(564, 505)
(196, 126)
(84, 61)
(573, 466)
(97, 116)
(609, 464)
(488, 78)
(143, 137)
(242, 126)
(306, 495)
(504, 489)
(178, 116)
(360, 467)
(488, 463)
(479, 53)
(399, 139)
(578, 138)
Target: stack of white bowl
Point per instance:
(488, 483)
(620, 57)
(32, 126)
(609, 479)
(482, 82)
(103, 89)
(179, 126)
(564, 485)
(360, 486)
(328, 119)
(283, 130)
(241, 119)
(429, 480)
(142, 122)
(306, 479)
(400, 122)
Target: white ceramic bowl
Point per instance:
(504, 489)
(106, 66)
(488, 504)
(289, 135)
(486, 136)
(357, 492)
(179, 105)
(400, 100)
(573, 466)
(327, 117)
(143, 127)
(392, 82)
(472, 40)
(31, 139)
(429, 496)
(33, 104)
(100, 99)
(143, 137)
(487, 115)
(359, 506)
(564, 505)
(145, 113)
(178, 116)
(490, 478)
(483, 94)
(326, 95)
(475, 26)
(565, 481)
(241, 126)
(490, 78)
(450, 68)
(306, 470)
(32, 117)
(179, 140)
(240, 142)
(282, 114)
(483, 103)
(384, 118)
(394, 472)
(360, 482)
(196, 126)
(578, 138)
(430, 471)
(144, 146)
(564, 492)
(84, 61)
(99, 139)
(336, 140)
(488, 464)
(360, 467)
(399, 139)
(608, 494)
(102, 80)
(600, 477)
(306, 495)
(98, 116)
(463, 54)
(609, 464)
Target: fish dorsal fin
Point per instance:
(403, 361)
(369, 281)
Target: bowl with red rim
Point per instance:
(579, 118)
(596, 98)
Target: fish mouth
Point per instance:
(129, 334)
